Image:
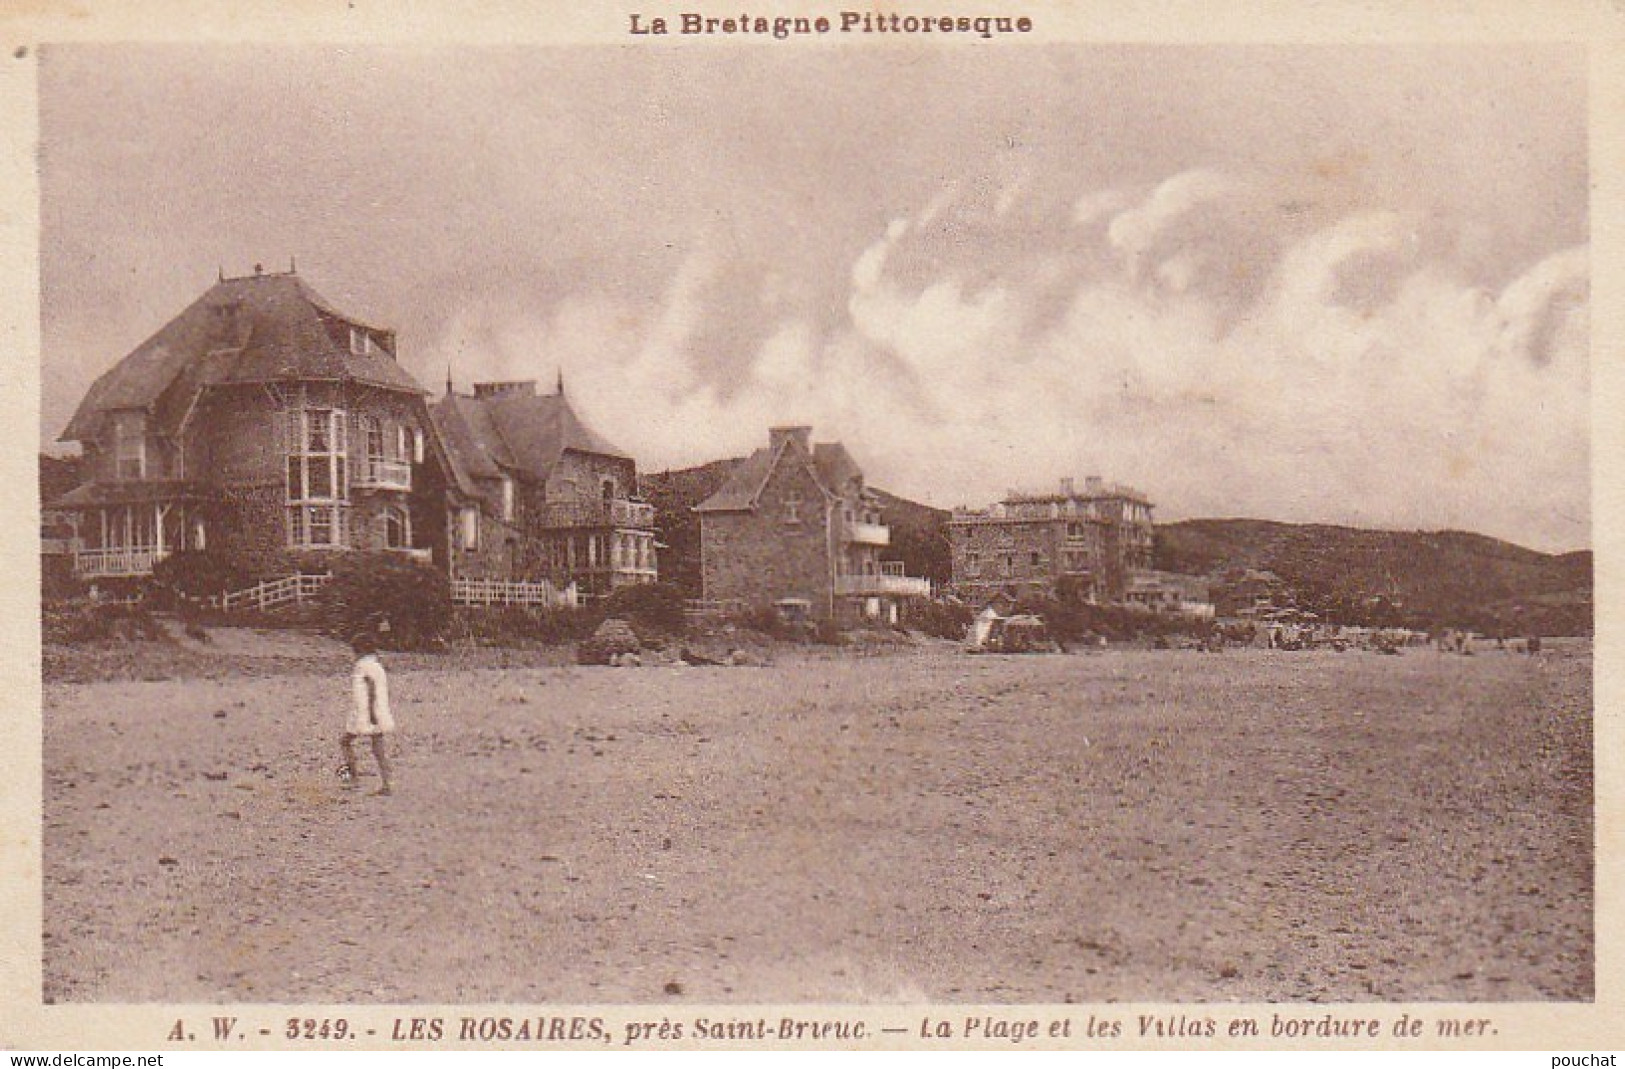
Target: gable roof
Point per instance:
(486, 436)
(743, 485)
(262, 328)
(832, 468)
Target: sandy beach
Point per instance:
(919, 826)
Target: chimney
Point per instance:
(802, 436)
(521, 388)
(1068, 487)
(259, 269)
(1094, 484)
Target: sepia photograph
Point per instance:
(848, 513)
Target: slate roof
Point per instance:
(128, 493)
(833, 466)
(743, 485)
(486, 436)
(262, 328)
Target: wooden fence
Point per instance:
(487, 592)
(273, 593)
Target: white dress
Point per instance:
(368, 681)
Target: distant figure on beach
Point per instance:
(369, 712)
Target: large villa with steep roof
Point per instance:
(263, 421)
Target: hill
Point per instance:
(677, 529)
(1421, 578)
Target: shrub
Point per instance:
(197, 573)
(405, 604)
(828, 633)
(762, 617)
(613, 638)
(514, 624)
(943, 619)
(79, 622)
(649, 606)
(58, 582)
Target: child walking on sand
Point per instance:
(369, 712)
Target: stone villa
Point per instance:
(537, 494)
(794, 526)
(1030, 543)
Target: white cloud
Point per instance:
(1135, 231)
(1362, 383)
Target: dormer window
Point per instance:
(130, 445)
(361, 342)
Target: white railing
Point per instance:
(870, 585)
(297, 588)
(380, 474)
(868, 534)
(116, 562)
(487, 592)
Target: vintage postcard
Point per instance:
(936, 526)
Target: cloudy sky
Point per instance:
(1337, 284)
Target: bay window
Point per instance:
(318, 485)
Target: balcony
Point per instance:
(866, 534)
(891, 580)
(379, 474)
(598, 513)
(124, 561)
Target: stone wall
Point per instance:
(1016, 556)
(761, 556)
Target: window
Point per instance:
(321, 526)
(130, 445)
(318, 526)
(469, 527)
(374, 430)
(360, 342)
(792, 506)
(507, 499)
(397, 527)
(609, 489)
(973, 564)
(1037, 559)
(317, 480)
